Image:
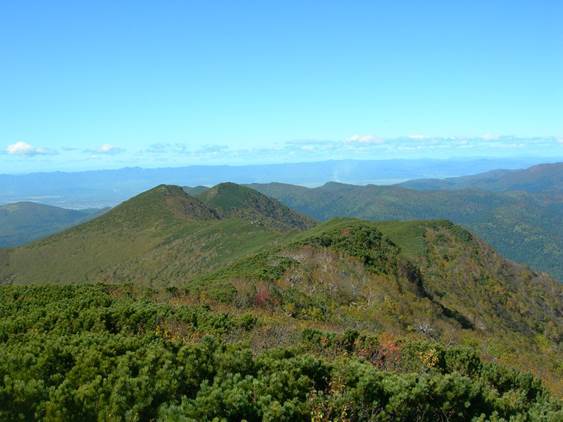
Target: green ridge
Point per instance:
(525, 227)
(160, 237)
(232, 200)
(423, 278)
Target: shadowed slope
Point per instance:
(232, 200)
(23, 222)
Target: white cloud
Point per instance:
(108, 149)
(23, 148)
(308, 148)
(166, 148)
(417, 137)
(365, 139)
(490, 136)
(212, 149)
(560, 140)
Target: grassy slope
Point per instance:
(162, 236)
(523, 227)
(23, 222)
(160, 255)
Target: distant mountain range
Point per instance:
(23, 222)
(544, 178)
(233, 246)
(98, 189)
(518, 211)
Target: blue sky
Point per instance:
(105, 84)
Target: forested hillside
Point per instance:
(542, 178)
(23, 222)
(524, 227)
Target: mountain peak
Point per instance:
(164, 203)
(233, 200)
(229, 196)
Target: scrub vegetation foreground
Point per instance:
(227, 305)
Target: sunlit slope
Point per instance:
(162, 236)
(436, 263)
(428, 277)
